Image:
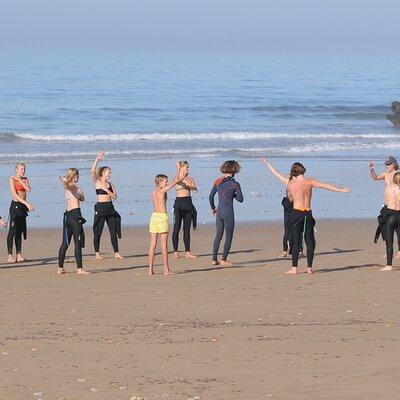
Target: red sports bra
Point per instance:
(19, 187)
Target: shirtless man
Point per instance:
(159, 221)
(392, 218)
(387, 176)
(302, 223)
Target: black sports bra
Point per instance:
(102, 191)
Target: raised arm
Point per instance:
(328, 186)
(17, 197)
(282, 178)
(93, 173)
(178, 178)
(374, 175)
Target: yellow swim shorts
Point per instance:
(159, 223)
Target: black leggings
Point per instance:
(183, 211)
(224, 221)
(99, 230)
(72, 228)
(17, 228)
(391, 225)
(302, 228)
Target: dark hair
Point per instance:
(159, 178)
(396, 166)
(296, 170)
(101, 170)
(230, 167)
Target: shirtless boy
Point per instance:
(159, 219)
(391, 168)
(302, 223)
(392, 218)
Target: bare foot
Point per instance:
(310, 271)
(215, 263)
(398, 255)
(176, 254)
(387, 268)
(11, 259)
(169, 272)
(188, 254)
(301, 255)
(283, 255)
(151, 272)
(98, 256)
(20, 258)
(118, 256)
(61, 271)
(292, 270)
(82, 271)
(226, 263)
(384, 256)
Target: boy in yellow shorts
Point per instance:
(159, 219)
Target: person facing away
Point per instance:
(159, 219)
(228, 189)
(299, 189)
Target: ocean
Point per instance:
(59, 108)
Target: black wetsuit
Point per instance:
(72, 227)
(287, 212)
(18, 214)
(185, 211)
(105, 212)
(228, 189)
(302, 228)
(390, 226)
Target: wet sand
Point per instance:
(246, 332)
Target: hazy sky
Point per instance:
(286, 25)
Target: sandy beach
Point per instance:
(248, 332)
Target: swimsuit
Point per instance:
(159, 222)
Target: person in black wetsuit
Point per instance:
(19, 208)
(228, 190)
(299, 189)
(104, 211)
(184, 211)
(72, 221)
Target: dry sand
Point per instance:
(247, 332)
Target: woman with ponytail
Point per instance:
(104, 210)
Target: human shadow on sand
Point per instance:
(346, 268)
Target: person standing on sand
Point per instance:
(391, 168)
(299, 189)
(287, 212)
(104, 210)
(184, 210)
(391, 222)
(19, 208)
(228, 189)
(73, 221)
(159, 219)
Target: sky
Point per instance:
(247, 25)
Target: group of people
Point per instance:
(298, 219)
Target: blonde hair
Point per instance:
(71, 173)
(19, 164)
(159, 178)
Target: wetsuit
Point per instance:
(185, 211)
(18, 214)
(105, 212)
(72, 227)
(390, 225)
(228, 189)
(302, 228)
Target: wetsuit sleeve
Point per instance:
(211, 197)
(238, 193)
